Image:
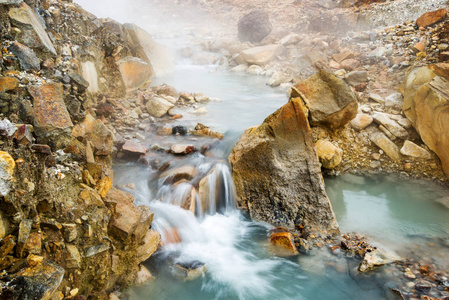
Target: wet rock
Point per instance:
(377, 258)
(391, 125)
(190, 270)
(8, 84)
(158, 107)
(260, 55)
(430, 18)
(425, 105)
(202, 130)
(148, 246)
(329, 99)
(277, 173)
(413, 150)
(182, 149)
(285, 241)
(25, 18)
(385, 144)
(143, 276)
(134, 147)
(185, 172)
(73, 260)
(254, 27)
(39, 280)
(135, 72)
(27, 58)
(181, 130)
(330, 156)
(361, 121)
(7, 165)
(52, 121)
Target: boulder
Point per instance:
(143, 276)
(285, 241)
(426, 105)
(135, 72)
(158, 107)
(38, 280)
(361, 121)
(277, 174)
(27, 58)
(184, 172)
(261, 55)
(7, 165)
(32, 31)
(254, 27)
(52, 121)
(150, 51)
(432, 17)
(148, 246)
(413, 150)
(330, 100)
(329, 155)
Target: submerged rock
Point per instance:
(330, 100)
(277, 173)
(285, 241)
(190, 270)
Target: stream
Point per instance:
(410, 218)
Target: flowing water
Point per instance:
(410, 218)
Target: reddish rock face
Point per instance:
(51, 115)
(7, 84)
(430, 18)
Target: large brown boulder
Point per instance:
(330, 101)
(426, 105)
(277, 173)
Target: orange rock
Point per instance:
(177, 116)
(8, 84)
(285, 241)
(430, 18)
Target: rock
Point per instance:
(350, 64)
(70, 232)
(52, 121)
(255, 70)
(7, 128)
(143, 276)
(344, 55)
(125, 221)
(90, 74)
(8, 84)
(27, 58)
(148, 246)
(277, 173)
(260, 55)
(95, 132)
(79, 80)
(426, 105)
(279, 78)
(158, 107)
(285, 241)
(202, 130)
(385, 144)
(394, 100)
(4, 226)
(200, 111)
(97, 249)
(254, 27)
(356, 77)
(376, 98)
(7, 166)
(329, 99)
(135, 72)
(73, 260)
(413, 150)
(33, 244)
(391, 125)
(8, 245)
(134, 147)
(430, 18)
(180, 129)
(9, 2)
(185, 172)
(39, 280)
(182, 149)
(150, 51)
(377, 258)
(361, 121)
(190, 270)
(33, 32)
(329, 155)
